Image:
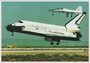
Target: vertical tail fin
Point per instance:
(74, 22)
(79, 9)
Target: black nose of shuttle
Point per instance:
(9, 27)
(13, 28)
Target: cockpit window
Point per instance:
(20, 21)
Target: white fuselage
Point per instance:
(47, 29)
(64, 10)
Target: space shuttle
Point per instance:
(67, 11)
(51, 33)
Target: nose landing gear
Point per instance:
(12, 34)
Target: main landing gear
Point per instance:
(52, 43)
(52, 40)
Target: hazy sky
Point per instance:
(38, 12)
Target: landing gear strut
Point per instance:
(71, 15)
(12, 34)
(52, 13)
(67, 14)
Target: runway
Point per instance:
(37, 49)
(31, 51)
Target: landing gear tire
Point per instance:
(52, 43)
(57, 43)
